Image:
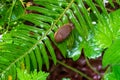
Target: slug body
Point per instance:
(63, 32)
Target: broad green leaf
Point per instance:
(75, 45)
(103, 35)
(109, 76)
(115, 24)
(91, 50)
(108, 31)
(112, 54)
(116, 70)
(113, 74)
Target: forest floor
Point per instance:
(58, 72)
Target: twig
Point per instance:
(75, 70)
(105, 73)
(106, 8)
(88, 63)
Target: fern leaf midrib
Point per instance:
(47, 32)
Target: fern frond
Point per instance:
(30, 43)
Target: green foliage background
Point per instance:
(27, 38)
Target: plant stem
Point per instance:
(106, 8)
(105, 72)
(88, 63)
(10, 14)
(75, 70)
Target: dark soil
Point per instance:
(57, 72)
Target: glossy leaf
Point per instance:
(109, 76)
(112, 54)
(75, 45)
(116, 70)
(114, 74)
(91, 50)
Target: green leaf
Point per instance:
(109, 76)
(108, 31)
(17, 11)
(103, 35)
(115, 24)
(27, 63)
(50, 49)
(44, 54)
(44, 11)
(102, 6)
(85, 12)
(111, 2)
(39, 75)
(91, 50)
(116, 70)
(38, 57)
(94, 9)
(114, 74)
(33, 60)
(75, 45)
(13, 72)
(112, 54)
(23, 75)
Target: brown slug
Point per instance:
(63, 32)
